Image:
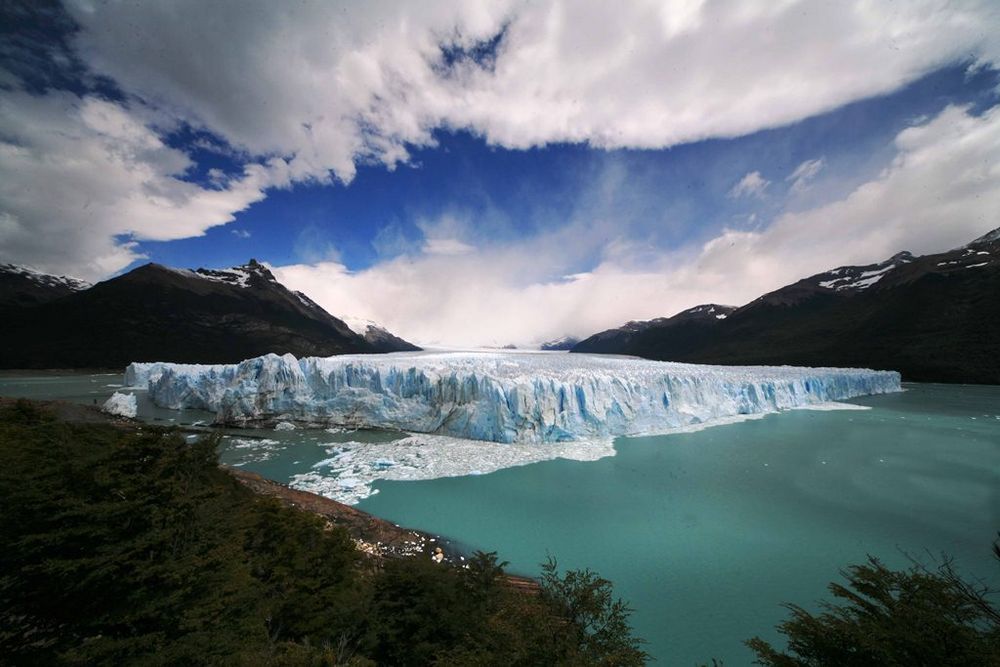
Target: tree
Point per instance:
(906, 618)
(132, 546)
(598, 622)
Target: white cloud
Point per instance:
(751, 185)
(444, 236)
(804, 173)
(329, 83)
(241, 233)
(81, 179)
(446, 247)
(325, 85)
(941, 190)
(312, 245)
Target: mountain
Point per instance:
(159, 313)
(376, 336)
(22, 286)
(687, 325)
(934, 318)
(559, 344)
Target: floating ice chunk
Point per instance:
(284, 426)
(499, 396)
(348, 474)
(251, 443)
(122, 405)
(822, 407)
(252, 450)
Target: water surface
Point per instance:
(707, 533)
(704, 533)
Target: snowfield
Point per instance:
(506, 397)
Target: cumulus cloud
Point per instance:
(331, 83)
(82, 179)
(307, 92)
(751, 185)
(941, 189)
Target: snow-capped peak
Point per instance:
(376, 335)
(238, 275)
(988, 237)
(359, 325)
(45, 279)
(559, 344)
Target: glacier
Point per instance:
(504, 397)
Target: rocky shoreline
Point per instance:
(372, 535)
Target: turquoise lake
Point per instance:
(706, 534)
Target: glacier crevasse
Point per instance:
(502, 397)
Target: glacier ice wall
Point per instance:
(496, 396)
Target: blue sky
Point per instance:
(666, 197)
(492, 173)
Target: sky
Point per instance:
(498, 172)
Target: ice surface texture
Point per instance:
(122, 405)
(501, 397)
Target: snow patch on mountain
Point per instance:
(987, 238)
(45, 279)
(861, 278)
(559, 344)
(240, 276)
(359, 325)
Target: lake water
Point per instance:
(704, 533)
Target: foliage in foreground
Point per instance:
(125, 546)
(892, 618)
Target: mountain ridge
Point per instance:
(189, 316)
(935, 318)
(25, 286)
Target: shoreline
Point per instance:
(376, 537)
(371, 534)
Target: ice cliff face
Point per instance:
(121, 405)
(502, 397)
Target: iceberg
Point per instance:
(505, 397)
(121, 405)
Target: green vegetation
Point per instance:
(128, 546)
(893, 619)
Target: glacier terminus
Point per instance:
(504, 397)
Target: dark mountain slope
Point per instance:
(933, 318)
(21, 286)
(378, 337)
(159, 313)
(559, 344)
(681, 330)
